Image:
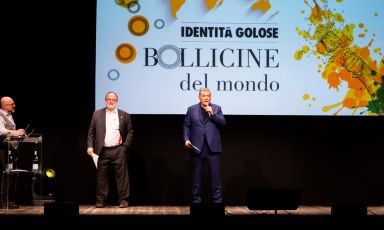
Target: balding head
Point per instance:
(5, 101)
(7, 104)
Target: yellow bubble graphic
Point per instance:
(126, 3)
(125, 53)
(138, 25)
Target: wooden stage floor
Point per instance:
(184, 210)
(312, 216)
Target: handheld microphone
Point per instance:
(209, 112)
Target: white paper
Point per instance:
(195, 148)
(95, 157)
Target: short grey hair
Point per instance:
(117, 97)
(204, 90)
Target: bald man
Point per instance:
(7, 124)
(7, 128)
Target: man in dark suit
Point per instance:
(109, 136)
(202, 137)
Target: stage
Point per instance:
(180, 216)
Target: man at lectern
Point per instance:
(7, 128)
(201, 134)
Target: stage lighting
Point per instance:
(49, 184)
(50, 173)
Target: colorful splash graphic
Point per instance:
(262, 5)
(332, 41)
(127, 3)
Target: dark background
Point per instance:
(48, 69)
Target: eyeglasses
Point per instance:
(10, 104)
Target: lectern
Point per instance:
(22, 176)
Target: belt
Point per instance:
(111, 147)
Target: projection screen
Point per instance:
(257, 57)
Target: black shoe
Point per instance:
(123, 204)
(99, 204)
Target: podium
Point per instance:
(22, 176)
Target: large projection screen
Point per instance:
(258, 57)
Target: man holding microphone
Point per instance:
(201, 134)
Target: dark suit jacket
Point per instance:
(96, 132)
(195, 128)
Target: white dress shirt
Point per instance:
(112, 132)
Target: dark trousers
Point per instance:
(7, 181)
(8, 187)
(213, 161)
(114, 157)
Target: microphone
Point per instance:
(209, 112)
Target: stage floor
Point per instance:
(184, 211)
(179, 217)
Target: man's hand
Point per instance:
(208, 109)
(188, 144)
(19, 132)
(90, 151)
